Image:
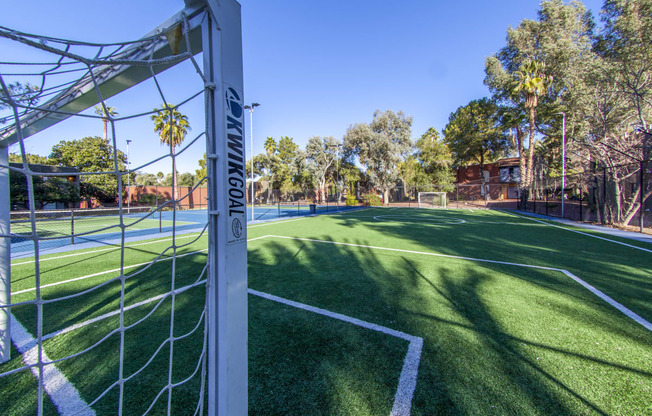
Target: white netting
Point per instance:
(432, 199)
(120, 326)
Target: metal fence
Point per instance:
(607, 195)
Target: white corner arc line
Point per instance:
(579, 232)
(62, 393)
(620, 307)
(407, 381)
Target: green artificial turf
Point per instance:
(498, 338)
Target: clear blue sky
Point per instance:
(316, 67)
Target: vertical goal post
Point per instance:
(212, 27)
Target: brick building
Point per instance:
(501, 180)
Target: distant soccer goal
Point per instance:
(138, 324)
(432, 199)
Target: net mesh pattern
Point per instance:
(121, 327)
(432, 199)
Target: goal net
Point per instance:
(132, 318)
(432, 199)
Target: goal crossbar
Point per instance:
(111, 79)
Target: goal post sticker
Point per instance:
(235, 186)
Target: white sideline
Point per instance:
(624, 310)
(62, 393)
(408, 380)
(578, 232)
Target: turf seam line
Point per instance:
(620, 307)
(579, 232)
(408, 379)
(62, 393)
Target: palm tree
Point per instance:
(512, 120)
(110, 112)
(172, 127)
(270, 146)
(531, 82)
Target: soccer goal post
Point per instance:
(432, 199)
(200, 353)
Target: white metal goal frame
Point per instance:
(214, 28)
(432, 200)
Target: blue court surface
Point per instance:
(153, 224)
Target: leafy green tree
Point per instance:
(46, 190)
(625, 44)
(22, 94)
(92, 154)
(473, 135)
(413, 175)
(172, 127)
(31, 158)
(380, 146)
(187, 179)
(560, 38)
(436, 160)
(106, 115)
(321, 153)
(287, 169)
(145, 179)
(201, 173)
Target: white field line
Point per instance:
(624, 310)
(579, 232)
(103, 249)
(408, 380)
(62, 393)
(106, 272)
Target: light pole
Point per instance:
(251, 130)
(128, 174)
(563, 161)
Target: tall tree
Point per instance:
(436, 159)
(172, 127)
(24, 95)
(532, 82)
(561, 38)
(321, 153)
(626, 45)
(288, 151)
(92, 154)
(106, 115)
(380, 146)
(270, 146)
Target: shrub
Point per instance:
(350, 200)
(372, 200)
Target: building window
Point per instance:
(510, 174)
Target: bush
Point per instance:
(148, 199)
(350, 200)
(372, 200)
